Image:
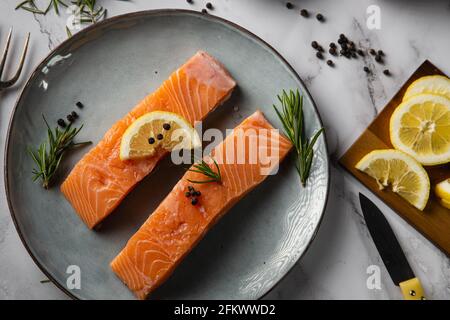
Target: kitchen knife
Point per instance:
(390, 251)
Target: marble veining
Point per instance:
(335, 266)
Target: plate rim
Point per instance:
(148, 13)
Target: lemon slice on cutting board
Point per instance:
(439, 85)
(401, 172)
(442, 191)
(420, 126)
(157, 130)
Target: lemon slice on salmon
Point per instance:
(157, 130)
(401, 172)
(439, 85)
(420, 126)
(442, 191)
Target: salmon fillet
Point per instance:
(176, 226)
(101, 180)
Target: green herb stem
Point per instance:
(90, 12)
(47, 157)
(291, 116)
(205, 169)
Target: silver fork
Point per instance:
(13, 80)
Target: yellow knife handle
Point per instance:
(412, 289)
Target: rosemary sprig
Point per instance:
(30, 5)
(291, 116)
(68, 32)
(206, 170)
(49, 154)
(89, 11)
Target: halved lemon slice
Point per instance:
(445, 203)
(399, 171)
(157, 130)
(442, 190)
(429, 84)
(420, 126)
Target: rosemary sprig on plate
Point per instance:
(204, 168)
(291, 116)
(49, 154)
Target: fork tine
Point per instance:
(5, 53)
(21, 63)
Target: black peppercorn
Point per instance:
(380, 52)
(319, 48)
(320, 17)
(190, 188)
(304, 13)
(319, 55)
(194, 201)
(189, 1)
(372, 52)
(360, 52)
(159, 136)
(209, 6)
(151, 140)
(366, 69)
(166, 126)
(197, 193)
(332, 45)
(289, 5)
(332, 51)
(61, 123)
(70, 118)
(187, 194)
(330, 63)
(340, 41)
(204, 11)
(353, 54)
(378, 58)
(74, 114)
(79, 105)
(314, 44)
(342, 36)
(386, 72)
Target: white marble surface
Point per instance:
(335, 265)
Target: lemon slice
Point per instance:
(157, 130)
(399, 171)
(420, 126)
(430, 84)
(444, 203)
(442, 190)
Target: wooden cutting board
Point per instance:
(434, 221)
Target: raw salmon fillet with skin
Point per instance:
(176, 226)
(100, 180)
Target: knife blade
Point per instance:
(390, 251)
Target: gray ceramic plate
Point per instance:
(110, 67)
